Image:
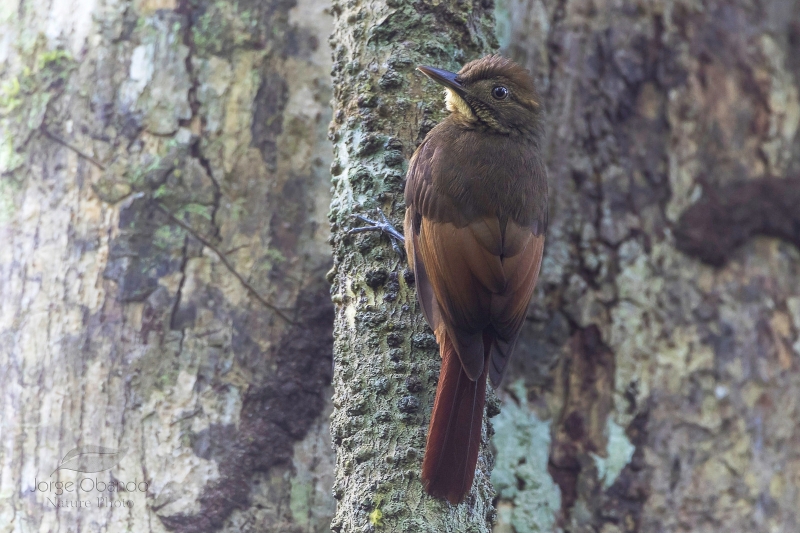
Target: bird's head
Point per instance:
(492, 91)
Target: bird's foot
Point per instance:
(385, 227)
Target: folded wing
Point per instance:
(473, 276)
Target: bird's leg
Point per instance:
(385, 227)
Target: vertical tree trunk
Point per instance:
(163, 189)
(385, 356)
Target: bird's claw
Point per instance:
(385, 227)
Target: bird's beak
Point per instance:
(443, 77)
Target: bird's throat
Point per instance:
(456, 104)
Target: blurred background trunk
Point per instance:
(164, 185)
(655, 387)
(660, 365)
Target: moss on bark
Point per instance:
(385, 357)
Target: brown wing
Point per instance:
(470, 274)
(425, 296)
(458, 269)
(510, 307)
(477, 285)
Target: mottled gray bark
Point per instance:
(163, 189)
(661, 364)
(385, 356)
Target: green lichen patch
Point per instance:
(520, 474)
(618, 454)
(41, 74)
(219, 27)
(9, 189)
(10, 95)
(161, 95)
(26, 96)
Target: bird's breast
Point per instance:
(492, 175)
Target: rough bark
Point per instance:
(385, 357)
(655, 387)
(660, 366)
(163, 189)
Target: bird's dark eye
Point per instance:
(499, 92)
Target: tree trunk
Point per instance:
(385, 357)
(162, 220)
(655, 385)
(660, 365)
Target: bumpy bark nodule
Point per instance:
(385, 356)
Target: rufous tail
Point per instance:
(454, 435)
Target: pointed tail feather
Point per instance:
(454, 435)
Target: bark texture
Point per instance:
(163, 189)
(656, 385)
(385, 357)
(661, 364)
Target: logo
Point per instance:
(90, 459)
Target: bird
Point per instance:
(475, 223)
